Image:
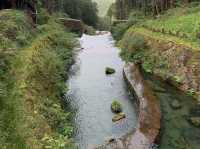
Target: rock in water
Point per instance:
(116, 107)
(195, 121)
(109, 70)
(118, 117)
(175, 104)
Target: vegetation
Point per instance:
(103, 6)
(116, 106)
(34, 64)
(159, 44)
(109, 70)
(154, 7)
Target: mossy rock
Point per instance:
(116, 107)
(109, 70)
(195, 121)
(118, 117)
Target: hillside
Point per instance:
(178, 34)
(168, 49)
(30, 112)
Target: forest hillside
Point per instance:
(103, 6)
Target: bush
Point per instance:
(133, 47)
(119, 30)
(43, 16)
(116, 107)
(135, 17)
(90, 30)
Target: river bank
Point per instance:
(34, 64)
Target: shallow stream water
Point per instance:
(91, 92)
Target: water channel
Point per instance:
(91, 92)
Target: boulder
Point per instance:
(118, 117)
(116, 107)
(109, 70)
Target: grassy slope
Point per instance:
(164, 59)
(184, 20)
(32, 83)
(103, 6)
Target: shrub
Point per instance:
(133, 47)
(43, 16)
(135, 17)
(90, 30)
(116, 107)
(119, 30)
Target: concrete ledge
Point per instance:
(149, 117)
(149, 114)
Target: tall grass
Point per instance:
(32, 83)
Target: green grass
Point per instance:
(32, 83)
(183, 20)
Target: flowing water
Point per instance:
(91, 92)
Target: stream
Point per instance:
(91, 92)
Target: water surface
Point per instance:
(91, 92)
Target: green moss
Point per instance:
(116, 106)
(109, 70)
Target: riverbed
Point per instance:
(91, 92)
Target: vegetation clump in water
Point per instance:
(109, 70)
(116, 107)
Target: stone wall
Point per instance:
(74, 25)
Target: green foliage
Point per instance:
(133, 47)
(104, 24)
(103, 6)
(179, 20)
(136, 17)
(90, 30)
(43, 16)
(59, 143)
(32, 83)
(85, 10)
(116, 106)
(119, 30)
(14, 25)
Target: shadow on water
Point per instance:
(177, 108)
(91, 92)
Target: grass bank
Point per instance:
(168, 47)
(34, 62)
